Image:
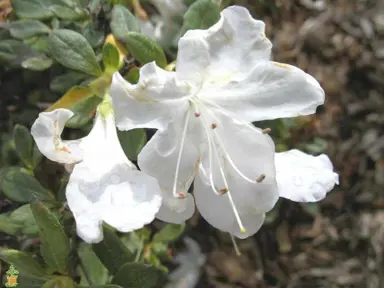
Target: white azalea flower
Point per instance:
(104, 185)
(304, 178)
(223, 81)
(158, 25)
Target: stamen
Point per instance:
(261, 178)
(223, 191)
(213, 125)
(175, 193)
(266, 130)
(197, 114)
(237, 250)
(181, 195)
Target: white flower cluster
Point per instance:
(224, 81)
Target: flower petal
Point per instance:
(227, 49)
(159, 159)
(47, 130)
(270, 90)
(246, 157)
(217, 211)
(150, 103)
(310, 180)
(105, 186)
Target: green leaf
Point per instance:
(94, 35)
(29, 282)
(144, 49)
(111, 58)
(72, 50)
(202, 14)
(169, 233)
(20, 186)
(62, 83)
(27, 28)
(37, 63)
(133, 75)
(19, 222)
(24, 144)
(59, 282)
(111, 251)
(65, 12)
(95, 270)
(123, 22)
(138, 275)
(14, 52)
(83, 110)
(100, 286)
(132, 142)
(32, 9)
(54, 242)
(23, 262)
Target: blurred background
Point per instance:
(338, 242)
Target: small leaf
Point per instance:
(27, 28)
(144, 49)
(95, 270)
(111, 251)
(62, 83)
(59, 282)
(123, 22)
(32, 9)
(169, 233)
(120, 47)
(19, 222)
(54, 242)
(202, 14)
(29, 282)
(138, 275)
(23, 262)
(39, 63)
(100, 85)
(72, 50)
(132, 142)
(111, 58)
(133, 75)
(20, 186)
(94, 34)
(24, 144)
(73, 96)
(84, 111)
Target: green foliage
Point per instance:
(111, 58)
(25, 148)
(169, 233)
(132, 142)
(54, 242)
(123, 22)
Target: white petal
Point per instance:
(269, 90)
(230, 47)
(217, 211)
(159, 159)
(47, 130)
(304, 178)
(175, 210)
(151, 103)
(245, 155)
(105, 186)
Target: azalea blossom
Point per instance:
(104, 185)
(157, 25)
(224, 80)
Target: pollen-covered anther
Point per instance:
(223, 191)
(181, 195)
(266, 130)
(63, 149)
(213, 125)
(261, 178)
(197, 114)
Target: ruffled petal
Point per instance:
(46, 131)
(245, 156)
(270, 90)
(217, 211)
(159, 159)
(310, 180)
(226, 50)
(151, 103)
(105, 186)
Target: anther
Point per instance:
(181, 195)
(261, 178)
(213, 125)
(266, 130)
(223, 191)
(197, 114)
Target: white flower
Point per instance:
(104, 185)
(304, 178)
(223, 81)
(159, 25)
